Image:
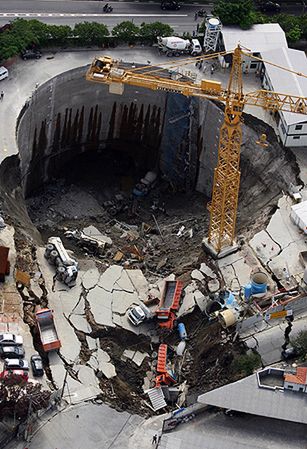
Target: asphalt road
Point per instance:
(73, 11)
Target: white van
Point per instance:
(4, 73)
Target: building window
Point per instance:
(298, 127)
(296, 137)
(301, 389)
(254, 65)
(290, 387)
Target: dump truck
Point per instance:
(66, 266)
(169, 304)
(175, 46)
(47, 331)
(165, 376)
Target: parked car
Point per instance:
(170, 4)
(271, 7)
(13, 364)
(37, 365)
(31, 54)
(12, 352)
(289, 353)
(10, 339)
(4, 73)
(17, 375)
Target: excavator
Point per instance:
(224, 203)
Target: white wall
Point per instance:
(294, 387)
(289, 136)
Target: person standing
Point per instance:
(1, 95)
(154, 439)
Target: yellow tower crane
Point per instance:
(224, 203)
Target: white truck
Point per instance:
(66, 266)
(176, 46)
(139, 314)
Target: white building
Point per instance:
(297, 381)
(292, 127)
(257, 39)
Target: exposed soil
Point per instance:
(145, 233)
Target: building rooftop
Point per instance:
(286, 82)
(257, 39)
(299, 378)
(246, 396)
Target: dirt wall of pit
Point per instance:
(179, 136)
(69, 115)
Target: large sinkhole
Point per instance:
(75, 138)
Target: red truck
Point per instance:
(164, 376)
(47, 331)
(169, 304)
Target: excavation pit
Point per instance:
(80, 146)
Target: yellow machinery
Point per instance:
(224, 203)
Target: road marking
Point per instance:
(57, 14)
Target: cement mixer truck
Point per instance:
(175, 46)
(66, 266)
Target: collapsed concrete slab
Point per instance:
(80, 323)
(100, 302)
(207, 271)
(90, 278)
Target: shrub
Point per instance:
(246, 363)
(300, 343)
(89, 33)
(150, 31)
(126, 31)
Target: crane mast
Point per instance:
(226, 184)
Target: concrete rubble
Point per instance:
(279, 245)
(136, 357)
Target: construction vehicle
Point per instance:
(164, 376)
(47, 331)
(224, 204)
(175, 46)
(139, 314)
(4, 263)
(145, 185)
(66, 266)
(169, 304)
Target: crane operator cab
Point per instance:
(103, 64)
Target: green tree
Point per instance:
(290, 24)
(235, 12)
(303, 25)
(126, 31)
(150, 31)
(89, 33)
(294, 34)
(300, 343)
(246, 363)
(59, 33)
